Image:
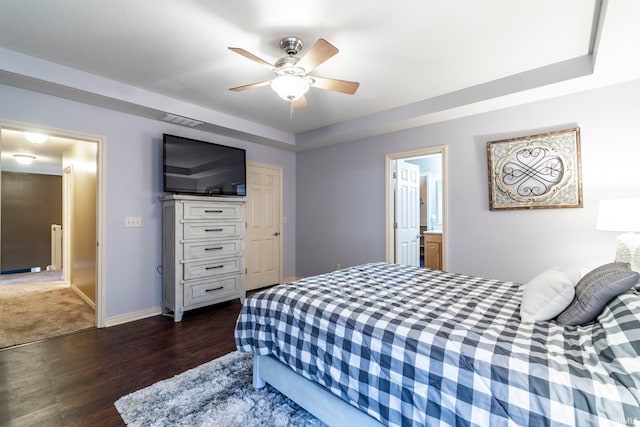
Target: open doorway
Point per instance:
(416, 208)
(68, 252)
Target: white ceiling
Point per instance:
(48, 155)
(417, 61)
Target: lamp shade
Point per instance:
(290, 88)
(619, 215)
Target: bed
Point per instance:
(406, 346)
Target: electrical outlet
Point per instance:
(338, 266)
(133, 221)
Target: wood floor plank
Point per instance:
(75, 379)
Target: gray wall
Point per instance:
(341, 190)
(334, 196)
(134, 186)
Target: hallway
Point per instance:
(36, 306)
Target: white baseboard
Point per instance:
(291, 279)
(130, 317)
(83, 296)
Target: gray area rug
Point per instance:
(217, 393)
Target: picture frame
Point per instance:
(540, 171)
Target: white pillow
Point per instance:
(546, 295)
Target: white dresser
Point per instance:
(203, 252)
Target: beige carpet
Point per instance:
(38, 306)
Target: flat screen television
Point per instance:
(203, 168)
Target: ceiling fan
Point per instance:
(292, 79)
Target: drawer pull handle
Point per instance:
(214, 249)
(213, 229)
(213, 211)
(214, 289)
(214, 267)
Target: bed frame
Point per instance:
(326, 406)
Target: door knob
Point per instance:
(277, 233)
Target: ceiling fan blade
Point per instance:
(300, 103)
(250, 86)
(251, 56)
(319, 52)
(336, 85)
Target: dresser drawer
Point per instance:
(210, 268)
(210, 290)
(198, 210)
(201, 230)
(212, 249)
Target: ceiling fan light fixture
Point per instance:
(36, 138)
(24, 159)
(292, 79)
(290, 88)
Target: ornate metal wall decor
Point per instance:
(535, 172)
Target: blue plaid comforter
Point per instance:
(416, 347)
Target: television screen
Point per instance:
(203, 168)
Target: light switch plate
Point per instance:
(133, 221)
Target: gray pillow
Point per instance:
(595, 290)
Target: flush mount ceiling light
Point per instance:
(292, 80)
(36, 138)
(24, 159)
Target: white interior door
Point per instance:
(264, 233)
(407, 202)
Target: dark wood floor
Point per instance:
(75, 379)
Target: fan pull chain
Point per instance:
(291, 109)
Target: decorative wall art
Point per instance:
(536, 171)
